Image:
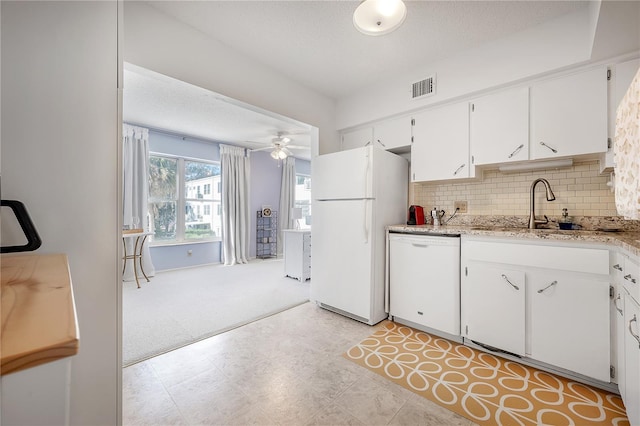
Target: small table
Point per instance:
(140, 238)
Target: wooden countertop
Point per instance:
(39, 322)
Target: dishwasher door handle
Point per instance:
(420, 245)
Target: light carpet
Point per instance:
(486, 389)
(179, 307)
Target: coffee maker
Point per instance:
(416, 215)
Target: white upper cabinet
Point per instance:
(622, 76)
(440, 149)
(569, 115)
(357, 138)
(499, 127)
(393, 134)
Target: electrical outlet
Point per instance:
(461, 205)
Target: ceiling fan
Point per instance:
(280, 147)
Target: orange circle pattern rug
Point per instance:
(484, 388)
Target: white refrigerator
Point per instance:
(356, 194)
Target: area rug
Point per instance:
(177, 308)
(486, 389)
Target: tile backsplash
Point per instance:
(579, 188)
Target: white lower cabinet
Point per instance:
(494, 305)
(549, 303)
(618, 306)
(631, 395)
(568, 315)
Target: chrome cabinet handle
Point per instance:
(615, 303)
(617, 267)
(637, 337)
(628, 278)
(458, 169)
(516, 150)
(512, 284)
(380, 142)
(555, 151)
(550, 285)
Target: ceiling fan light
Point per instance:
(282, 155)
(379, 17)
(274, 154)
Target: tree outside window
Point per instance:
(167, 196)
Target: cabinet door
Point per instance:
(500, 127)
(440, 149)
(424, 282)
(392, 134)
(570, 323)
(569, 115)
(618, 311)
(622, 76)
(493, 307)
(632, 360)
(357, 138)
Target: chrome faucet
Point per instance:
(533, 222)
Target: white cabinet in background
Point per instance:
(499, 127)
(297, 254)
(393, 134)
(440, 149)
(493, 307)
(357, 138)
(424, 281)
(569, 115)
(631, 395)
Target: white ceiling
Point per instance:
(315, 44)
(163, 103)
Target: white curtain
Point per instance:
(287, 198)
(135, 156)
(234, 167)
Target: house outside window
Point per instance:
(303, 199)
(180, 185)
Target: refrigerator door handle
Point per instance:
(366, 173)
(364, 220)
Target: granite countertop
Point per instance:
(626, 239)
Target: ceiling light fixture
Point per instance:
(379, 17)
(278, 154)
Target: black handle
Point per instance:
(29, 230)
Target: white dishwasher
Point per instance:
(424, 281)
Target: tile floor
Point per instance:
(286, 369)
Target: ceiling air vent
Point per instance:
(422, 88)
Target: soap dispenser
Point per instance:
(565, 222)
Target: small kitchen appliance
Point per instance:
(436, 216)
(416, 215)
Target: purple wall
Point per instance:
(266, 175)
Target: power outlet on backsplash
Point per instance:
(461, 206)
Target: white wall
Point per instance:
(155, 41)
(60, 157)
(564, 42)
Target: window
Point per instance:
(180, 185)
(303, 199)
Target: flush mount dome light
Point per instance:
(379, 17)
